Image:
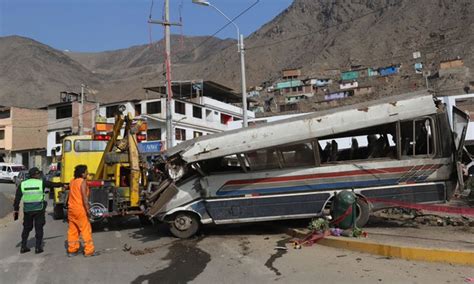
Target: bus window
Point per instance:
(89, 145)
(417, 137)
(263, 159)
(368, 143)
(297, 155)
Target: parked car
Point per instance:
(23, 175)
(9, 171)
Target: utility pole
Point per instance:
(169, 92)
(81, 111)
(244, 82)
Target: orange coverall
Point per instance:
(78, 221)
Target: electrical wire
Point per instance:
(61, 120)
(225, 26)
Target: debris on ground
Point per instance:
(418, 217)
(318, 224)
(126, 247)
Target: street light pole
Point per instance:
(241, 50)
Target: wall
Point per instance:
(362, 91)
(350, 75)
(349, 85)
(29, 128)
(291, 73)
(88, 117)
(451, 64)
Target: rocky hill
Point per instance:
(314, 35)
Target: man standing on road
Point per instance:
(78, 214)
(34, 206)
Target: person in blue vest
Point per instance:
(34, 206)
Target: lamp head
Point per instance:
(201, 2)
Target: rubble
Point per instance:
(418, 217)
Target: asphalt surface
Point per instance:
(7, 195)
(130, 253)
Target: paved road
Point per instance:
(231, 254)
(7, 194)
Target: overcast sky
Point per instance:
(97, 25)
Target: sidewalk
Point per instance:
(426, 243)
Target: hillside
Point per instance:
(314, 35)
(32, 74)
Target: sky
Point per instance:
(98, 25)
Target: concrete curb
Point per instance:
(409, 253)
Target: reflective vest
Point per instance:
(33, 195)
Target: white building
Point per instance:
(200, 108)
(64, 119)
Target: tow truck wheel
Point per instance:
(184, 225)
(58, 212)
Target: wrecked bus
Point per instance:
(399, 148)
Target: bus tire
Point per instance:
(363, 212)
(58, 212)
(184, 225)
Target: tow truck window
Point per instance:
(67, 146)
(89, 145)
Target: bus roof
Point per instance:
(305, 127)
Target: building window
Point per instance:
(179, 107)
(225, 119)
(5, 114)
(64, 112)
(154, 134)
(138, 109)
(197, 134)
(2, 134)
(197, 112)
(180, 134)
(111, 111)
(153, 107)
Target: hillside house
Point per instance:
(348, 85)
(388, 71)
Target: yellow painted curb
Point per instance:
(410, 253)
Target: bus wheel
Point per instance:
(58, 212)
(363, 212)
(184, 225)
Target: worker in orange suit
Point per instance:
(78, 214)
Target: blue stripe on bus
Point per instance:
(309, 187)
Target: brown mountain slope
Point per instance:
(32, 74)
(314, 35)
(327, 34)
(318, 35)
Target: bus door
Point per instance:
(460, 122)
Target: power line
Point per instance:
(61, 120)
(225, 26)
